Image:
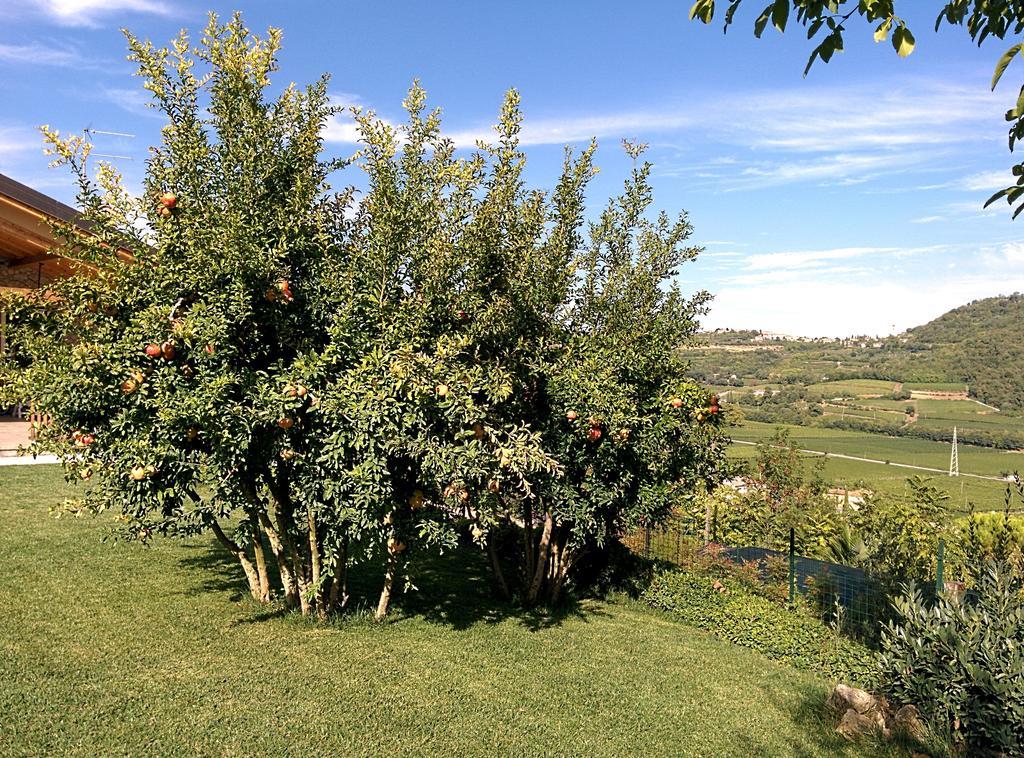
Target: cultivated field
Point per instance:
(986, 494)
(854, 388)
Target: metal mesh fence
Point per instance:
(843, 596)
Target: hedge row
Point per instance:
(790, 636)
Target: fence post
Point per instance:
(939, 566)
(792, 566)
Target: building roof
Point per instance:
(26, 237)
(37, 201)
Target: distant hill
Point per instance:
(980, 344)
(1002, 316)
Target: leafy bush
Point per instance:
(737, 614)
(900, 534)
(980, 537)
(322, 381)
(961, 660)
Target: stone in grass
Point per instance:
(854, 725)
(864, 714)
(844, 697)
(907, 723)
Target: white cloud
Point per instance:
(926, 219)
(341, 129)
(88, 12)
(39, 54)
(798, 259)
(1006, 257)
(836, 308)
(988, 180)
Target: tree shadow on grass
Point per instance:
(211, 569)
(458, 590)
(455, 590)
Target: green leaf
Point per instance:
(882, 32)
(996, 196)
(780, 14)
(704, 10)
(762, 22)
(1004, 61)
(902, 41)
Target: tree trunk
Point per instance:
(286, 526)
(251, 574)
(288, 583)
(528, 546)
(339, 587)
(261, 562)
(315, 567)
(542, 561)
(566, 561)
(496, 565)
(298, 569)
(707, 521)
(389, 583)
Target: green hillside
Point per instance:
(980, 345)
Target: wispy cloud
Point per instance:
(824, 136)
(583, 128)
(988, 180)
(926, 219)
(841, 168)
(40, 54)
(135, 101)
(17, 146)
(802, 259)
(89, 12)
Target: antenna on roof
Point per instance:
(88, 131)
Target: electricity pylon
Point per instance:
(954, 459)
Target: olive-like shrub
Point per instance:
(960, 660)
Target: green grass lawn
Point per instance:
(119, 649)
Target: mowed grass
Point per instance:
(120, 649)
(985, 494)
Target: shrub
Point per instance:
(320, 381)
(790, 636)
(980, 537)
(900, 534)
(961, 661)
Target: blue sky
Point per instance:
(846, 202)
